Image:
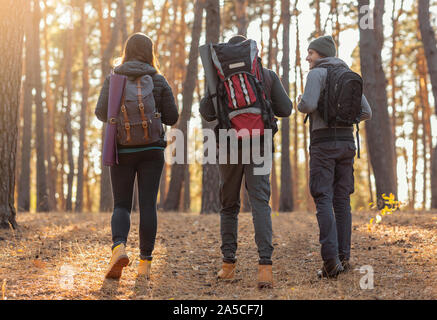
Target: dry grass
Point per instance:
(64, 256)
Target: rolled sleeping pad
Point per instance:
(116, 86)
(210, 72)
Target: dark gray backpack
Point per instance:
(139, 122)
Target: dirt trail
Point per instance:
(64, 256)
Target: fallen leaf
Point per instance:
(39, 264)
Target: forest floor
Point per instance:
(65, 256)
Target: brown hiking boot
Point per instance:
(265, 276)
(144, 268)
(227, 272)
(119, 260)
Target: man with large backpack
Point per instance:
(248, 99)
(334, 101)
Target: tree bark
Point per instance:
(42, 203)
(68, 128)
(11, 45)
(286, 200)
(430, 45)
(50, 132)
(138, 15)
(108, 51)
(83, 110)
(378, 130)
(178, 171)
(123, 22)
(241, 13)
(210, 172)
(24, 181)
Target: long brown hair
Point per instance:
(140, 47)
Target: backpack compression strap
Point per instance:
(144, 122)
(126, 118)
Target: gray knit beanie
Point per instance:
(324, 45)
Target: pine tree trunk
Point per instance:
(138, 15)
(107, 53)
(178, 171)
(286, 200)
(11, 45)
(68, 128)
(378, 130)
(42, 203)
(241, 13)
(430, 45)
(83, 111)
(210, 173)
(24, 181)
(50, 132)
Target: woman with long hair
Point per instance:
(138, 154)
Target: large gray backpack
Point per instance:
(139, 122)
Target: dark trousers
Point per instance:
(331, 184)
(147, 166)
(258, 188)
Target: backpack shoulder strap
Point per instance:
(267, 81)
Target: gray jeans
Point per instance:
(258, 187)
(331, 184)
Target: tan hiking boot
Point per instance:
(265, 276)
(144, 268)
(227, 272)
(119, 260)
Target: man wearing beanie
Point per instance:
(332, 152)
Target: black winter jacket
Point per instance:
(165, 102)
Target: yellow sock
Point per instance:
(116, 247)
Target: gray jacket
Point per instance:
(315, 84)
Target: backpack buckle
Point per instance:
(127, 125)
(157, 114)
(112, 121)
(144, 124)
(141, 106)
(123, 108)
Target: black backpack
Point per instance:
(340, 101)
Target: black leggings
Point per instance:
(147, 165)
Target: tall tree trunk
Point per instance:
(11, 45)
(286, 200)
(415, 157)
(83, 111)
(42, 203)
(241, 13)
(68, 128)
(430, 45)
(24, 181)
(50, 132)
(109, 46)
(378, 130)
(164, 13)
(210, 173)
(123, 22)
(178, 171)
(138, 15)
(426, 115)
(274, 176)
(318, 31)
